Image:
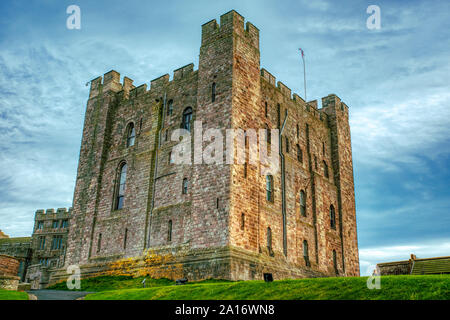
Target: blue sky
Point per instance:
(395, 81)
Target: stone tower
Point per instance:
(219, 215)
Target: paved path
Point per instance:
(58, 294)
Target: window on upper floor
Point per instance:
(57, 242)
(170, 107)
(64, 224)
(187, 117)
(266, 111)
(269, 188)
(242, 221)
(299, 154)
(120, 186)
(185, 186)
(55, 224)
(302, 203)
(41, 245)
(131, 134)
(332, 217)
(298, 131)
(40, 225)
(325, 170)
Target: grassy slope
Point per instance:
(107, 283)
(392, 288)
(13, 295)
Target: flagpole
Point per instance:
(304, 72)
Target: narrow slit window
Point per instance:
(185, 186)
(213, 92)
(303, 203)
(120, 188)
(269, 188)
(131, 135)
(306, 253)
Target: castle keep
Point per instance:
(228, 220)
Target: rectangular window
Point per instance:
(55, 224)
(64, 224)
(57, 242)
(40, 225)
(41, 243)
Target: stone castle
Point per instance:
(229, 221)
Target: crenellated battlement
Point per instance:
(51, 211)
(310, 106)
(111, 81)
(333, 101)
(230, 22)
(183, 72)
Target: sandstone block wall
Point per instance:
(224, 209)
(9, 266)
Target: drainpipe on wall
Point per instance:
(283, 183)
(155, 170)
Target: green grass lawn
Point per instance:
(13, 295)
(107, 283)
(355, 288)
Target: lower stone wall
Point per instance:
(395, 268)
(9, 266)
(9, 282)
(226, 263)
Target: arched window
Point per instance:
(269, 240)
(325, 170)
(302, 203)
(306, 253)
(332, 217)
(269, 188)
(120, 187)
(169, 231)
(187, 117)
(299, 154)
(131, 134)
(185, 186)
(213, 92)
(335, 262)
(170, 107)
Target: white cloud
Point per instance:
(391, 136)
(369, 257)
